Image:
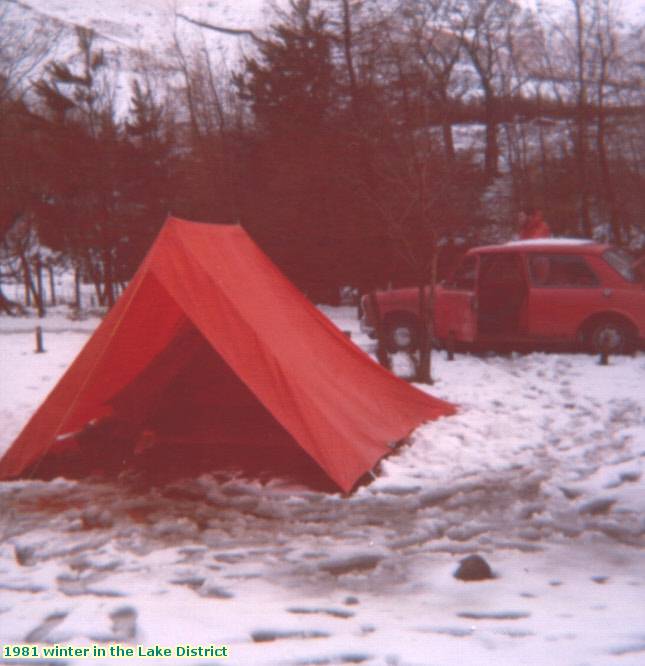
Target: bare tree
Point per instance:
(25, 44)
(487, 30)
(435, 43)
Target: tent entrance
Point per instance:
(198, 416)
(185, 414)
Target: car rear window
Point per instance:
(621, 262)
(561, 270)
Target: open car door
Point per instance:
(455, 312)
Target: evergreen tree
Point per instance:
(290, 83)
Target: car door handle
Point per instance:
(607, 293)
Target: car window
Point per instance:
(622, 263)
(561, 270)
(464, 276)
(500, 268)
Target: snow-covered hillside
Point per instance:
(540, 472)
(148, 25)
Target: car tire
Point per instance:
(617, 336)
(401, 334)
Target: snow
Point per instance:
(152, 25)
(540, 472)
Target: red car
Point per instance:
(533, 292)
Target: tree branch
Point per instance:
(218, 28)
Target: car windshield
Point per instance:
(621, 262)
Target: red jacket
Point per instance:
(535, 227)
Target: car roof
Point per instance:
(552, 245)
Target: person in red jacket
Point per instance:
(532, 225)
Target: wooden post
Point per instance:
(451, 346)
(604, 350)
(40, 349)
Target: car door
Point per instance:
(501, 296)
(564, 291)
(455, 305)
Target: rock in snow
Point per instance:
(473, 567)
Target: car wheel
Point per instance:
(610, 334)
(401, 335)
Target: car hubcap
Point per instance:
(610, 338)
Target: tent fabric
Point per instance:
(213, 282)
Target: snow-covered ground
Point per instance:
(540, 472)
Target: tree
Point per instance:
(289, 84)
(435, 52)
(295, 158)
(488, 30)
(83, 210)
(24, 46)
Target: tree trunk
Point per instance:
(108, 279)
(349, 61)
(77, 287)
(381, 347)
(448, 143)
(608, 186)
(425, 350)
(491, 154)
(52, 285)
(40, 291)
(31, 293)
(426, 307)
(581, 147)
(26, 280)
(581, 164)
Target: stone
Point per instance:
(473, 567)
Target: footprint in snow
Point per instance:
(457, 632)
(39, 634)
(333, 612)
(597, 506)
(268, 635)
(350, 658)
(193, 582)
(214, 591)
(351, 564)
(570, 493)
(625, 477)
(636, 647)
(124, 622)
(495, 615)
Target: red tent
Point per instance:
(211, 343)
